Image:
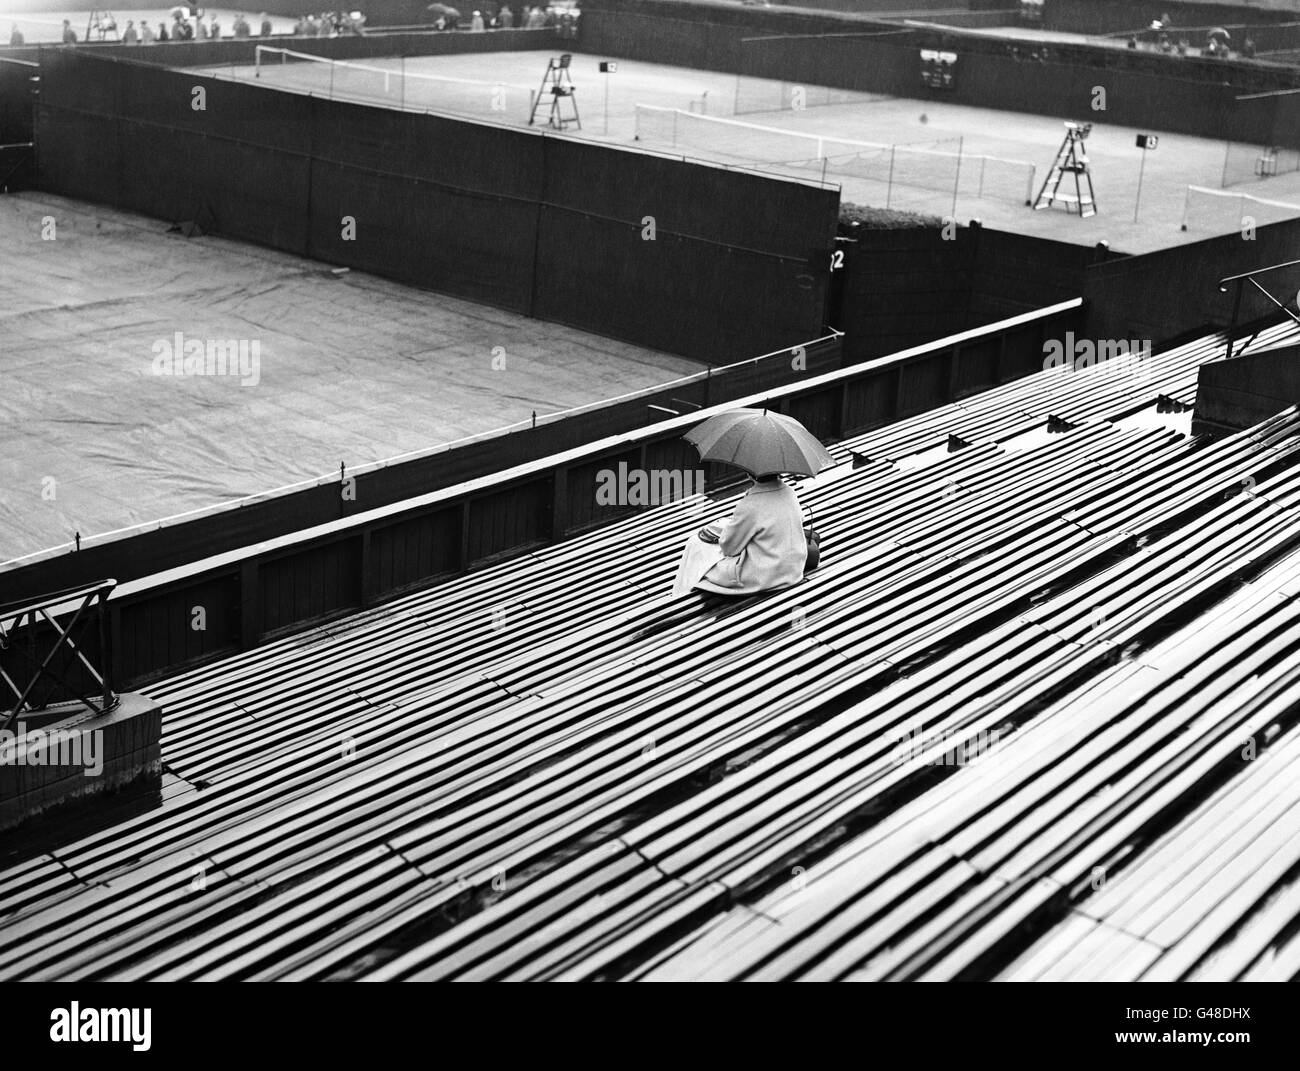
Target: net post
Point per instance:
(889, 188)
(1187, 204)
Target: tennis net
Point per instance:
(388, 82)
(937, 167)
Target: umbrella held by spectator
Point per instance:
(763, 545)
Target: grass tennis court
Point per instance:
(925, 150)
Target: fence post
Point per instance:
(559, 504)
(105, 655)
(250, 627)
(365, 568)
(956, 182)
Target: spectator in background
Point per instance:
(200, 29)
(476, 23)
(162, 32)
(181, 29)
(69, 34)
(265, 29)
(214, 30)
(240, 27)
(16, 38)
(1132, 42)
(1248, 49)
(506, 18)
(129, 35)
(146, 33)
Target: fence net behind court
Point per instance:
(789, 72)
(388, 82)
(754, 95)
(1253, 163)
(1210, 211)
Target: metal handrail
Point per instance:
(27, 615)
(1249, 277)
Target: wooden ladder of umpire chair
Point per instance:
(1071, 159)
(558, 85)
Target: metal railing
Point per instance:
(20, 624)
(1249, 277)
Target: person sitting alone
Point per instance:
(760, 547)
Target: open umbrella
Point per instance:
(760, 442)
(444, 10)
(1219, 31)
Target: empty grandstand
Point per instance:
(498, 779)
